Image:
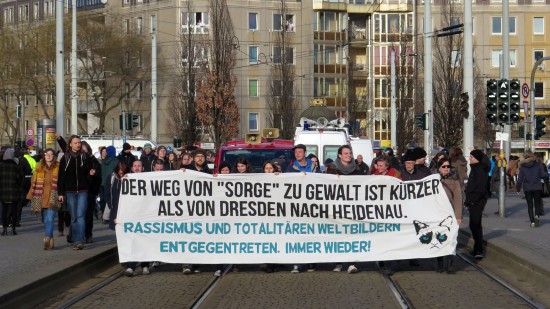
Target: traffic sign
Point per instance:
(30, 132)
(525, 90)
(30, 142)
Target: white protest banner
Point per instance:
(191, 217)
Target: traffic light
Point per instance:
(492, 98)
(503, 101)
(464, 105)
(18, 111)
(125, 121)
(136, 121)
(421, 121)
(514, 100)
(539, 127)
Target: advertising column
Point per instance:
(45, 133)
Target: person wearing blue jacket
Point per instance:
(531, 173)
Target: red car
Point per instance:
(278, 150)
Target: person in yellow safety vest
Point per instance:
(28, 166)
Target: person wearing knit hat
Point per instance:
(410, 172)
(126, 146)
(478, 154)
(476, 197)
(420, 165)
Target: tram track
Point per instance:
(398, 286)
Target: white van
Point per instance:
(322, 143)
(98, 141)
(362, 147)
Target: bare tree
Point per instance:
(282, 106)
(110, 59)
(216, 104)
(190, 56)
(404, 84)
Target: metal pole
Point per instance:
(393, 107)
(59, 69)
(154, 105)
(428, 135)
(532, 100)
(74, 77)
(468, 79)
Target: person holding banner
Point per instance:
(411, 172)
(382, 167)
(451, 184)
(243, 166)
(476, 197)
(302, 164)
(199, 162)
(345, 165)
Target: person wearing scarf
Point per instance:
(345, 165)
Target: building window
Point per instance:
(537, 54)
(538, 25)
(139, 94)
(139, 25)
(539, 90)
(455, 59)
(253, 54)
(253, 123)
(497, 25)
(35, 11)
(195, 22)
(283, 22)
(36, 99)
(253, 21)
(127, 26)
(497, 53)
(288, 55)
(127, 91)
(253, 88)
(277, 88)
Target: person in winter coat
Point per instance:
(476, 197)
(530, 174)
(147, 158)
(107, 167)
(301, 162)
(44, 185)
(11, 190)
(126, 154)
(112, 193)
(345, 165)
(75, 177)
(95, 189)
(410, 172)
(452, 187)
(460, 165)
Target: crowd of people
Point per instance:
(76, 186)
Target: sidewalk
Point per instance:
(26, 263)
(512, 237)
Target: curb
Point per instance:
(524, 269)
(50, 286)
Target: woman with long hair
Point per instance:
(113, 191)
(243, 166)
(44, 186)
(451, 184)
